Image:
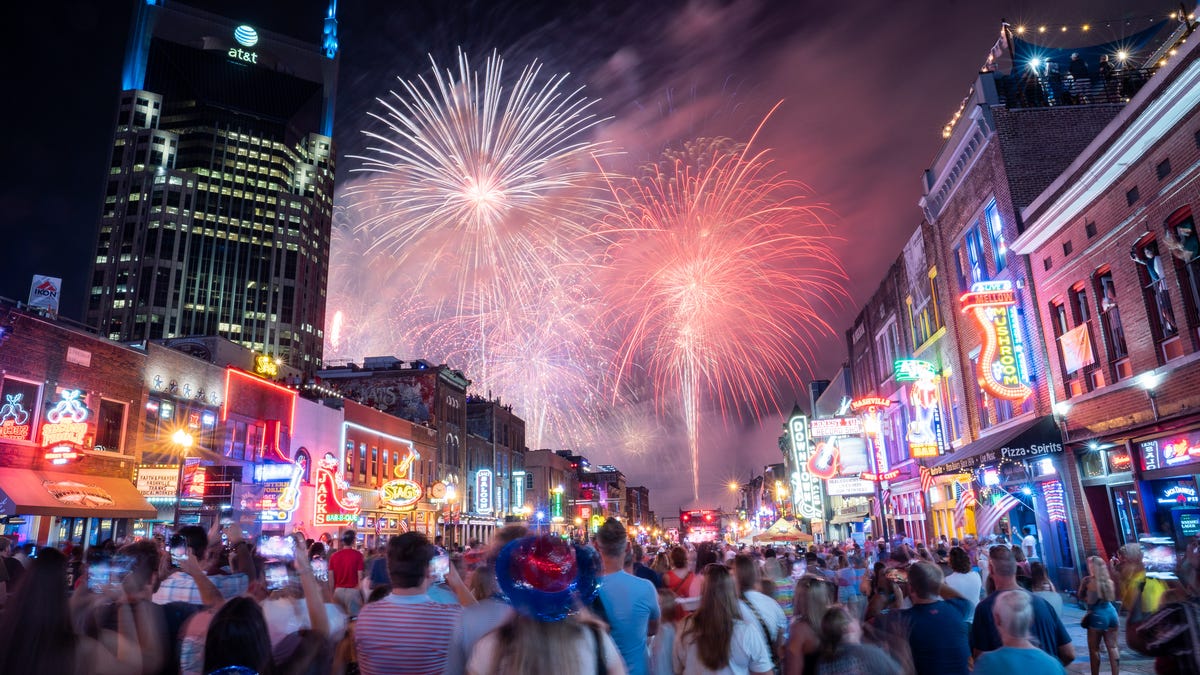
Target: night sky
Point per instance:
(866, 87)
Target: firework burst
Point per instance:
(717, 276)
(485, 185)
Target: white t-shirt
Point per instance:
(1029, 544)
(748, 653)
(967, 585)
(768, 609)
(483, 656)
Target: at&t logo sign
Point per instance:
(247, 37)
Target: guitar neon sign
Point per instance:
(66, 423)
(1000, 372)
(403, 493)
(14, 419)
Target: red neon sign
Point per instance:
(230, 372)
(331, 508)
(988, 301)
(877, 477)
(867, 402)
(61, 455)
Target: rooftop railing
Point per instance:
(1030, 90)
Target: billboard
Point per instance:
(44, 293)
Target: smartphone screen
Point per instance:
(278, 576)
(320, 569)
(178, 555)
(99, 577)
(440, 566)
(277, 548)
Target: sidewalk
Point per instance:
(1131, 662)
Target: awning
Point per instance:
(48, 493)
(1035, 438)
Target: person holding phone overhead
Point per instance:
(179, 586)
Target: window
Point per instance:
(1068, 247)
(348, 469)
(1110, 319)
(975, 255)
(888, 344)
(1154, 289)
(1079, 304)
(110, 425)
(1163, 169)
(362, 462)
(1132, 196)
(1058, 318)
(1090, 230)
(374, 472)
(963, 284)
(1047, 263)
(995, 226)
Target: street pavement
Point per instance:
(1131, 662)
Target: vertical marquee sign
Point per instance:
(924, 431)
(806, 486)
(1001, 372)
(871, 407)
(483, 491)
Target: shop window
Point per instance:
(18, 409)
(110, 425)
(1091, 465)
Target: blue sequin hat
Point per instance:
(547, 578)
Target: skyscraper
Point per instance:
(219, 201)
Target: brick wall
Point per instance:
(36, 351)
(1037, 144)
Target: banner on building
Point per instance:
(1077, 348)
(44, 293)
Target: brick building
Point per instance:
(998, 156)
(1113, 249)
(68, 433)
(495, 449)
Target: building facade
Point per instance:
(68, 434)
(1113, 248)
(219, 197)
(551, 490)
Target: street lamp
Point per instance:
(1149, 381)
(183, 440)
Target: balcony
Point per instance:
(1029, 90)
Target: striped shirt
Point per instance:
(179, 587)
(405, 634)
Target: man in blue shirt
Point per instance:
(630, 604)
(1048, 630)
(937, 627)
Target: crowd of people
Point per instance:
(201, 602)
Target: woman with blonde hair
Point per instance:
(812, 599)
(715, 640)
(1098, 591)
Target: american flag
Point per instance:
(926, 479)
(988, 517)
(966, 497)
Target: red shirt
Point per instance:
(345, 564)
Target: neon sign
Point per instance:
(1178, 495)
(556, 505)
(14, 419)
(1055, 506)
(1000, 371)
(483, 491)
(806, 485)
(835, 426)
(403, 493)
(333, 503)
(66, 423)
(265, 365)
(923, 437)
(870, 408)
(61, 455)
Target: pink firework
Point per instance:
(717, 275)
